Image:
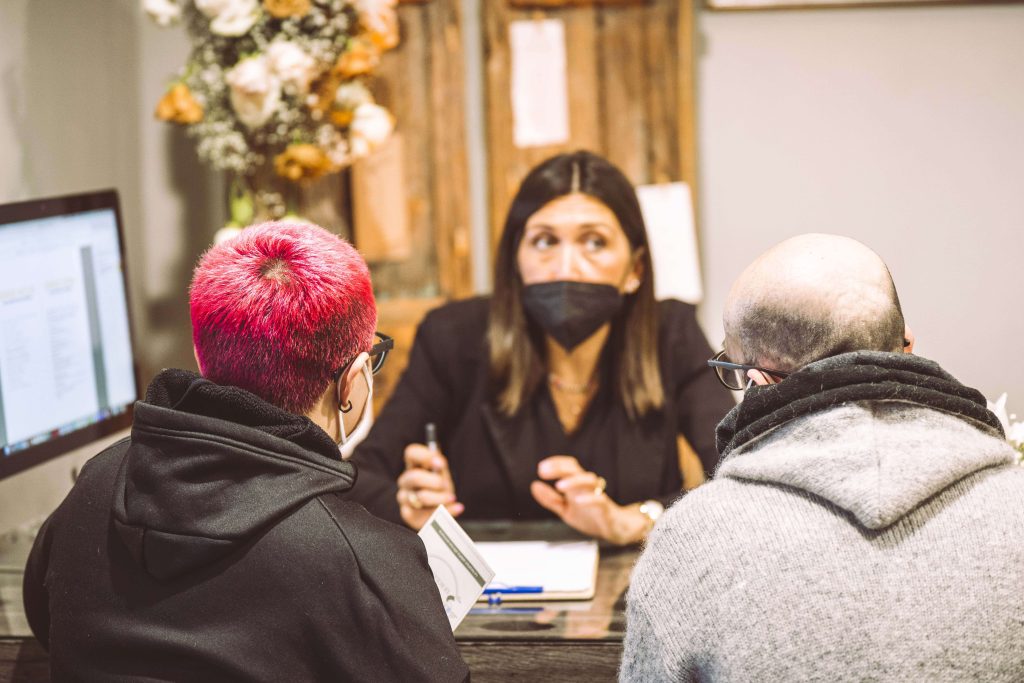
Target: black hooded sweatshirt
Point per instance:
(212, 545)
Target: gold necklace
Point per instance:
(568, 387)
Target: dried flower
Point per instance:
(352, 94)
(371, 126)
(265, 74)
(282, 9)
(302, 162)
(380, 21)
(179, 106)
(230, 17)
(163, 12)
(255, 90)
(292, 66)
(362, 57)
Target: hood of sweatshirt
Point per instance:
(874, 434)
(210, 467)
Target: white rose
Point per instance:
(230, 17)
(295, 69)
(371, 126)
(255, 91)
(163, 12)
(352, 94)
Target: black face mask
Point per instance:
(571, 311)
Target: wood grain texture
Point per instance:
(23, 661)
(583, 661)
(630, 83)
(550, 4)
(450, 177)
(422, 83)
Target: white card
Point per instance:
(540, 94)
(460, 571)
(668, 214)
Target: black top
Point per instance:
(493, 458)
(212, 545)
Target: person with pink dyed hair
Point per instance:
(212, 544)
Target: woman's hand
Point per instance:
(578, 497)
(425, 484)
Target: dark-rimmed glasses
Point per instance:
(734, 375)
(378, 354)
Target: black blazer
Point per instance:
(493, 457)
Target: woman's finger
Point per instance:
(428, 499)
(423, 479)
(548, 497)
(558, 466)
(577, 483)
(418, 455)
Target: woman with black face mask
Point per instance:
(569, 392)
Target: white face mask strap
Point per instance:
(367, 412)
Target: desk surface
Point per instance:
(602, 618)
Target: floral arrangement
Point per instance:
(279, 82)
(1014, 429)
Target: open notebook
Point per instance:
(547, 570)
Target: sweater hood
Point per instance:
(209, 467)
(874, 434)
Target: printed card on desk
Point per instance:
(460, 571)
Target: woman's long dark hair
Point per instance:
(517, 344)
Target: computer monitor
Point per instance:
(67, 367)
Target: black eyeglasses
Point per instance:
(734, 375)
(378, 354)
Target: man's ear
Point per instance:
(348, 379)
(195, 354)
(760, 378)
(908, 339)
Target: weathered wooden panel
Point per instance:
(630, 90)
(422, 83)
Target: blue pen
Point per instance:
(511, 590)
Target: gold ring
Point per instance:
(413, 500)
(601, 486)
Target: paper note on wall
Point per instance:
(540, 96)
(380, 210)
(668, 213)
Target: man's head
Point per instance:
(279, 309)
(812, 297)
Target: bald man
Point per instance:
(866, 521)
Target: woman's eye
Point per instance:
(595, 242)
(543, 241)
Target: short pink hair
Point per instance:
(278, 309)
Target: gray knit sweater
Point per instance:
(873, 541)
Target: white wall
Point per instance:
(900, 127)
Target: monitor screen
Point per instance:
(67, 371)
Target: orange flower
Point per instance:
(380, 21)
(179, 106)
(282, 9)
(342, 118)
(360, 58)
(302, 162)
